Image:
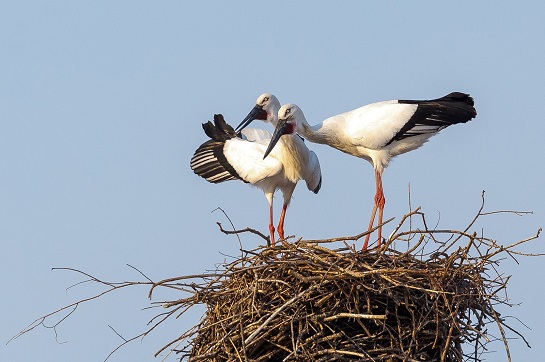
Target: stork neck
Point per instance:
(291, 144)
(293, 154)
(315, 134)
(272, 117)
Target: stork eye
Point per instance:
(266, 99)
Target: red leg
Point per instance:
(380, 200)
(271, 226)
(281, 223)
(378, 204)
(366, 242)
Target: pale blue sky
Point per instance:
(101, 105)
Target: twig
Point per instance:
(352, 238)
(227, 232)
(275, 313)
(119, 335)
(304, 301)
(354, 315)
(231, 222)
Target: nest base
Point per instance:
(305, 302)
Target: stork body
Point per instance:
(380, 131)
(226, 156)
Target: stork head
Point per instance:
(287, 124)
(289, 112)
(265, 109)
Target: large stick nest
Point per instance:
(304, 302)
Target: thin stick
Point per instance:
(275, 313)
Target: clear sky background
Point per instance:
(101, 105)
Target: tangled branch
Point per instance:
(304, 301)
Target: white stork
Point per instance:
(380, 131)
(226, 156)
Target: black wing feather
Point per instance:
(431, 116)
(209, 161)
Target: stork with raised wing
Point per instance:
(227, 156)
(378, 132)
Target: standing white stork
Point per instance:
(226, 156)
(380, 131)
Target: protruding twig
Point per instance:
(352, 238)
(303, 299)
(253, 231)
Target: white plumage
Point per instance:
(265, 109)
(226, 156)
(380, 131)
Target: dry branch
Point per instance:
(308, 303)
(303, 301)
